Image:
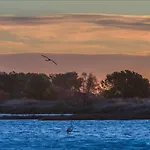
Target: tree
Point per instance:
(84, 82)
(89, 83)
(69, 81)
(125, 84)
(37, 85)
(8, 83)
(92, 85)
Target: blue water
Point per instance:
(89, 135)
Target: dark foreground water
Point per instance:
(92, 135)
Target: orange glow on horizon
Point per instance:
(76, 34)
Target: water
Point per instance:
(89, 135)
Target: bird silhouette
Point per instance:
(48, 59)
(70, 129)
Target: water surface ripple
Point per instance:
(89, 135)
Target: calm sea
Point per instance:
(89, 135)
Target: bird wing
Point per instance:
(49, 59)
(53, 61)
(45, 56)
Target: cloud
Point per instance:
(13, 47)
(77, 33)
(121, 21)
(17, 20)
(138, 25)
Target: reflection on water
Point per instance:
(44, 135)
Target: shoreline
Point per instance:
(62, 117)
(103, 109)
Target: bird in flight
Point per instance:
(48, 59)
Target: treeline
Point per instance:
(71, 85)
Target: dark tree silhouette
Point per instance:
(92, 85)
(36, 86)
(72, 86)
(125, 84)
(84, 77)
(69, 81)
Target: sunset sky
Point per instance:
(76, 27)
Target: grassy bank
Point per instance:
(92, 110)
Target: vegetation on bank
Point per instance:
(120, 93)
(72, 86)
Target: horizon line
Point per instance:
(119, 54)
(105, 14)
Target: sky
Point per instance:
(76, 27)
(42, 7)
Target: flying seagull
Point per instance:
(48, 59)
